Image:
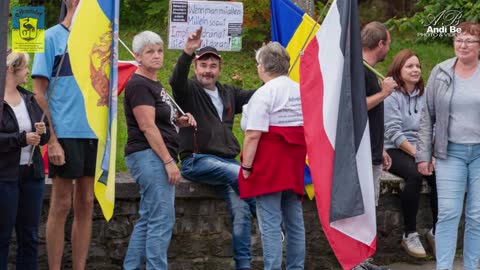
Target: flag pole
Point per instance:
(4, 14)
(379, 75)
(171, 99)
(300, 53)
(52, 87)
(310, 34)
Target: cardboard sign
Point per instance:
(221, 22)
(28, 29)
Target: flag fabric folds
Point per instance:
(93, 50)
(293, 28)
(332, 86)
(125, 71)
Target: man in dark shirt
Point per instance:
(208, 153)
(375, 46)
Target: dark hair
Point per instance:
(372, 33)
(395, 70)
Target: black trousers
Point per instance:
(405, 167)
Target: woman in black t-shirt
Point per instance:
(151, 154)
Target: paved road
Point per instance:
(430, 265)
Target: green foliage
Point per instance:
(256, 23)
(434, 13)
(143, 14)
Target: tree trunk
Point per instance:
(4, 14)
(305, 5)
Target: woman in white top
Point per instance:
(21, 183)
(273, 160)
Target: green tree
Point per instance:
(435, 13)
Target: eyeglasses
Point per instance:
(467, 42)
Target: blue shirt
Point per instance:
(67, 105)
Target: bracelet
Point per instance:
(169, 161)
(247, 168)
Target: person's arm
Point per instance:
(179, 79)
(241, 98)
(145, 117)
(12, 140)
(423, 155)
(388, 85)
(393, 125)
(250, 144)
(55, 151)
(427, 121)
(408, 148)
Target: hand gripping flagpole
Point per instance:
(171, 99)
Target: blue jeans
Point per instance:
(272, 209)
(153, 230)
(460, 170)
(223, 174)
(20, 208)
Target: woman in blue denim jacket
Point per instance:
(452, 116)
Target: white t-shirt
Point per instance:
(276, 103)
(216, 100)
(24, 124)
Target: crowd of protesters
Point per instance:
(417, 132)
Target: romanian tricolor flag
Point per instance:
(293, 28)
(93, 50)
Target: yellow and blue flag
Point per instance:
(293, 28)
(93, 51)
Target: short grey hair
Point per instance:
(143, 39)
(274, 59)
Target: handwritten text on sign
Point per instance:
(221, 22)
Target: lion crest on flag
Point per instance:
(100, 66)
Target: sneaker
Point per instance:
(368, 265)
(413, 246)
(431, 239)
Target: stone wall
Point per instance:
(201, 237)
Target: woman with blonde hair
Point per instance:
(21, 183)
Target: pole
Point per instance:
(4, 14)
(171, 99)
(308, 37)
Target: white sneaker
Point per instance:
(431, 239)
(413, 246)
